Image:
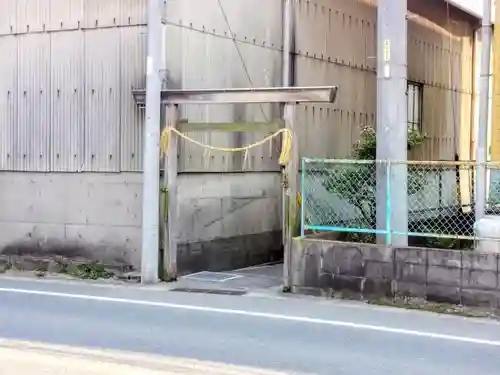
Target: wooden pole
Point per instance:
(170, 181)
(290, 186)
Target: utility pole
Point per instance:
(288, 42)
(392, 122)
(151, 160)
(288, 115)
(484, 97)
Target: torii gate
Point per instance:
(290, 96)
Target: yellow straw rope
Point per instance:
(285, 148)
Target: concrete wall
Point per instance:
(461, 277)
(228, 220)
(66, 107)
(65, 213)
(99, 216)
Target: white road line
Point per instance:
(298, 319)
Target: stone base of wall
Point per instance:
(366, 271)
(66, 248)
(225, 254)
(220, 254)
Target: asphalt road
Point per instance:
(292, 335)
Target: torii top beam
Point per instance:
(314, 94)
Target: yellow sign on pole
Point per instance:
(387, 50)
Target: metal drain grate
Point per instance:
(214, 277)
(227, 292)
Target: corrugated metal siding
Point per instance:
(98, 13)
(33, 95)
(32, 15)
(202, 54)
(102, 100)
(67, 125)
(65, 14)
(8, 102)
(133, 12)
(254, 21)
(335, 45)
(98, 127)
(133, 66)
(440, 56)
(62, 97)
(8, 17)
(99, 50)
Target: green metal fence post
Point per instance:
(303, 197)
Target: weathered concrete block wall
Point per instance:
(85, 214)
(228, 220)
(461, 277)
(98, 216)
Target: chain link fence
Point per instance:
(341, 196)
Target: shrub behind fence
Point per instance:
(341, 196)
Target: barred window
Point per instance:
(415, 98)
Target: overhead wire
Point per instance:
(242, 59)
(238, 50)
